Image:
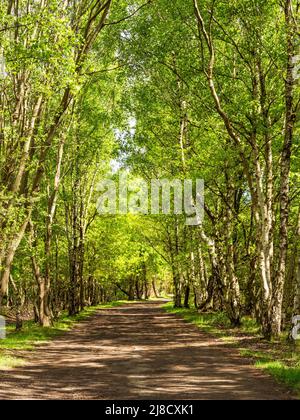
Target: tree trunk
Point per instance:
(131, 294)
(44, 312)
(290, 119)
(154, 289)
(187, 296)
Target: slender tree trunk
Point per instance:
(7, 263)
(44, 313)
(131, 294)
(290, 119)
(296, 309)
(187, 292)
(154, 289)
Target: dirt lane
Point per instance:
(136, 352)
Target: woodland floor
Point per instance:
(139, 352)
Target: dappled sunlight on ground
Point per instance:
(137, 352)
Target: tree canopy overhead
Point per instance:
(198, 89)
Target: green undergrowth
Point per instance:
(32, 334)
(285, 367)
(279, 358)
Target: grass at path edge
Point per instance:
(32, 334)
(279, 359)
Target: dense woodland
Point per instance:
(185, 89)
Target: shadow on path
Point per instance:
(137, 352)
